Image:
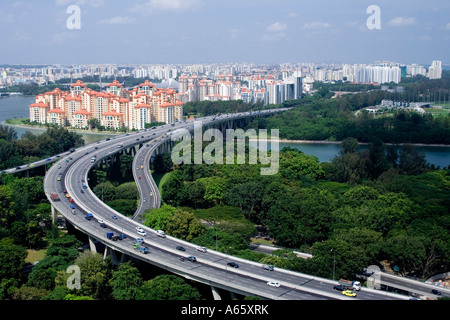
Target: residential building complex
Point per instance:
(114, 108)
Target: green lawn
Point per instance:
(160, 179)
(35, 255)
(16, 121)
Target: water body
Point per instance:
(18, 107)
(439, 156)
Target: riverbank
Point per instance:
(38, 128)
(22, 126)
(339, 142)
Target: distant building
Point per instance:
(435, 70)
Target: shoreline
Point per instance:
(23, 126)
(251, 140)
(339, 142)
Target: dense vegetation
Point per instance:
(31, 147)
(361, 208)
(335, 120)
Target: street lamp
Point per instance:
(334, 262)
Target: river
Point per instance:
(18, 107)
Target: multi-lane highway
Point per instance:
(211, 267)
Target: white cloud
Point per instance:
(292, 15)
(277, 27)
(402, 22)
(316, 25)
(447, 27)
(152, 6)
(118, 20)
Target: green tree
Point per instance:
(158, 218)
(125, 282)
(183, 225)
(96, 274)
(167, 287)
(12, 261)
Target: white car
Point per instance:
(161, 233)
(141, 232)
(100, 221)
(201, 249)
(273, 284)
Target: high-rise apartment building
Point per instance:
(435, 70)
(115, 108)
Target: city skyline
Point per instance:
(200, 31)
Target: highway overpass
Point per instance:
(67, 176)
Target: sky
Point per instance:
(223, 31)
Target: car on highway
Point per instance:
(89, 216)
(141, 231)
(349, 293)
(72, 206)
(268, 267)
(181, 248)
(273, 284)
(435, 291)
(233, 264)
(151, 194)
(100, 221)
(161, 233)
(59, 178)
(202, 249)
(191, 258)
(71, 200)
(102, 225)
(339, 287)
(139, 240)
(114, 217)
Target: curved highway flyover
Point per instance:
(67, 176)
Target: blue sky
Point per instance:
(208, 31)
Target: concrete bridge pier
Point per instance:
(54, 215)
(215, 293)
(112, 253)
(92, 245)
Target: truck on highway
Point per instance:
(140, 247)
(111, 236)
(120, 145)
(93, 159)
(355, 285)
(54, 197)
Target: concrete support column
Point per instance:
(124, 258)
(215, 293)
(92, 245)
(54, 215)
